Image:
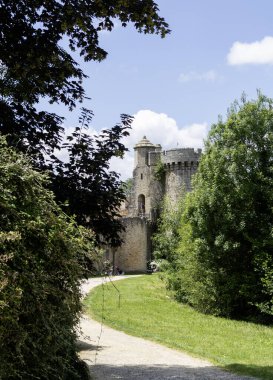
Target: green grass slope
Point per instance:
(146, 310)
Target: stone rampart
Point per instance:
(135, 251)
(154, 158)
(150, 184)
(180, 165)
(181, 156)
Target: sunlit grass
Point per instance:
(147, 311)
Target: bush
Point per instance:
(166, 237)
(40, 274)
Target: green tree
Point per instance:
(166, 238)
(41, 257)
(35, 65)
(31, 32)
(226, 249)
(85, 186)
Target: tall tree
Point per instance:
(85, 185)
(226, 250)
(166, 238)
(35, 65)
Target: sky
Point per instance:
(178, 86)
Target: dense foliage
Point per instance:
(225, 257)
(166, 238)
(35, 64)
(31, 32)
(85, 185)
(41, 257)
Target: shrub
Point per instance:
(40, 274)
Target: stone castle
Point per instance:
(156, 173)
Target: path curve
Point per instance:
(111, 354)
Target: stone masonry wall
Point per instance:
(178, 180)
(134, 253)
(144, 203)
(180, 165)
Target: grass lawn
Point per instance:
(147, 311)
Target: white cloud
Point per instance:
(258, 52)
(207, 76)
(159, 128)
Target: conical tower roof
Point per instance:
(144, 143)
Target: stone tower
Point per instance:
(146, 189)
(176, 169)
(180, 164)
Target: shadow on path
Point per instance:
(258, 371)
(161, 372)
(85, 346)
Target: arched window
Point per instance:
(141, 204)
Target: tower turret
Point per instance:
(142, 149)
(144, 194)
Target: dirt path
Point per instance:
(111, 354)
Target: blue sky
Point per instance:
(176, 87)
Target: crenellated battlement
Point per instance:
(181, 158)
(149, 185)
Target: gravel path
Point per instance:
(111, 354)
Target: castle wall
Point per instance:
(134, 253)
(181, 155)
(142, 180)
(141, 155)
(144, 183)
(178, 180)
(154, 157)
(147, 192)
(180, 165)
